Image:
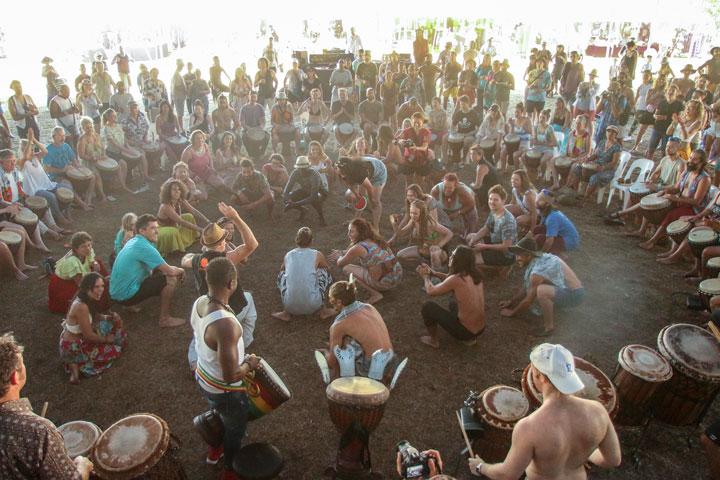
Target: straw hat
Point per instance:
(302, 162)
(213, 234)
(593, 73)
(688, 68)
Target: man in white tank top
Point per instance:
(222, 363)
(64, 113)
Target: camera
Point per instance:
(414, 464)
(405, 143)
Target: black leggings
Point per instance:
(434, 315)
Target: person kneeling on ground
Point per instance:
(457, 200)
(140, 272)
(86, 347)
(556, 234)
(557, 439)
(304, 280)
(358, 326)
(465, 320)
(304, 187)
(251, 189)
(222, 363)
(547, 279)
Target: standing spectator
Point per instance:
(666, 107)
(504, 83)
(104, 85)
(354, 42)
(560, 58)
(178, 90)
(120, 100)
(451, 71)
(23, 111)
(429, 73)
(123, 67)
(420, 47)
(573, 74)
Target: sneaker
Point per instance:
(111, 198)
(214, 454)
(142, 189)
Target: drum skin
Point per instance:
(356, 398)
(499, 408)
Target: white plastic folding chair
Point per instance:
(619, 171)
(642, 165)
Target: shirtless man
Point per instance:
(558, 438)
(225, 119)
(465, 320)
(318, 114)
(457, 200)
(358, 325)
(549, 280)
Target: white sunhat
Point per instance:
(558, 365)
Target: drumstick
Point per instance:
(714, 330)
(44, 409)
(462, 428)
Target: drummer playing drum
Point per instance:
(318, 114)
(342, 112)
(466, 122)
(282, 114)
(58, 160)
(563, 434)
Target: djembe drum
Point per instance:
(655, 208)
(256, 142)
(64, 195)
(80, 178)
(80, 437)
(315, 132)
(138, 446)
(713, 267)
(700, 239)
(12, 240)
(531, 159)
(588, 170)
(27, 219)
(597, 387)
(637, 192)
(499, 408)
(512, 144)
(286, 133)
(153, 154)
(37, 205)
(694, 354)
(563, 166)
(456, 141)
(356, 406)
(640, 372)
(487, 145)
(678, 230)
(178, 144)
(108, 169)
(707, 289)
(344, 133)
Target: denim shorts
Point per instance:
(569, 297)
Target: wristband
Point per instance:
(659, 187)
(478, 469)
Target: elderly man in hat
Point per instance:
(566, 432)
(555, 234)
(215, 239)
(282, 117)
(305, 187)
(548, 279)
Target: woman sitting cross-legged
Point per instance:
(304, 280)
(90, 341)
(69, 271)
(429, 238)
(379, 270)
(176, 217)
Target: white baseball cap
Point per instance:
(558, 364)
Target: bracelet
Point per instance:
(478, 469)
(659, 187)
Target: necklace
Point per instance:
(225, 306)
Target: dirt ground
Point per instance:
(629, 299)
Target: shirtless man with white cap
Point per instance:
(558, 438)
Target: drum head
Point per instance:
(361, 204)
(10, 238)
(346, 128)
(275, 378)
(639, 188)
(132, 153)
(315, 128)
(151, 147)
(645, 363)
(590, 165)
(26, 216)
(256, 134)
(286, 129)
(456, 137)
(130, 443)
(692, 350)
(34, 201)
(534, 154)
(714, 262)
(652, 202)
(80, 437)
(81, 173)
(512, 138)
(357, 391)
(711, 286)
(678, 226)
(503, 405)
(563, 162)
(487, 143)
(178, 140)
(64, 194)
(702, 236)
(108, 165)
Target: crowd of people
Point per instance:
(392, 126)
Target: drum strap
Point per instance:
(216, 382)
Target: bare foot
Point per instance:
(20, 276)
(44, 249)
(666, 260)
(430, 341)
(170, 322)
(133, 309)
(284, 316)
(692, 273)
(646, 245)
(470, 343)
(26, 267)
(374, 298)
(74, 374)
(326, 313)
(665, 254)
(693, 280)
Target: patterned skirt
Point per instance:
(93, 358)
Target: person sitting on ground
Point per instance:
(140, 272)
(276, 173)
(215, 240)
(59, 159)
(379, 270)
(522, 205)
(366, 176)
(358, 326)
(566, 432)
(457, 200)
(222, 364)
(251, 189)
(665, 174)
(85, 347)
(429, 239)
(195, 194)
(227, 157)
(465, 319)
(305, 187)
(578, 149)
(116, 146)
(69, 271)
(304, 280)
(224, 120)
(690, 196)
(491, 243)
(321, 162)
(549, 280)
(486, 175)
(177, 219)
(607, 157)
(555, 234)
(31, 446)
(415, 161)
(199, 160)
(412, 193)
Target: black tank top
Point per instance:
(199, 264)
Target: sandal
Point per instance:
(614, 215)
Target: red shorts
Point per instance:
(676, 213)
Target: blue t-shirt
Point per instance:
(537, 93)
(558, 225)
(134, 263)
(58, 157)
